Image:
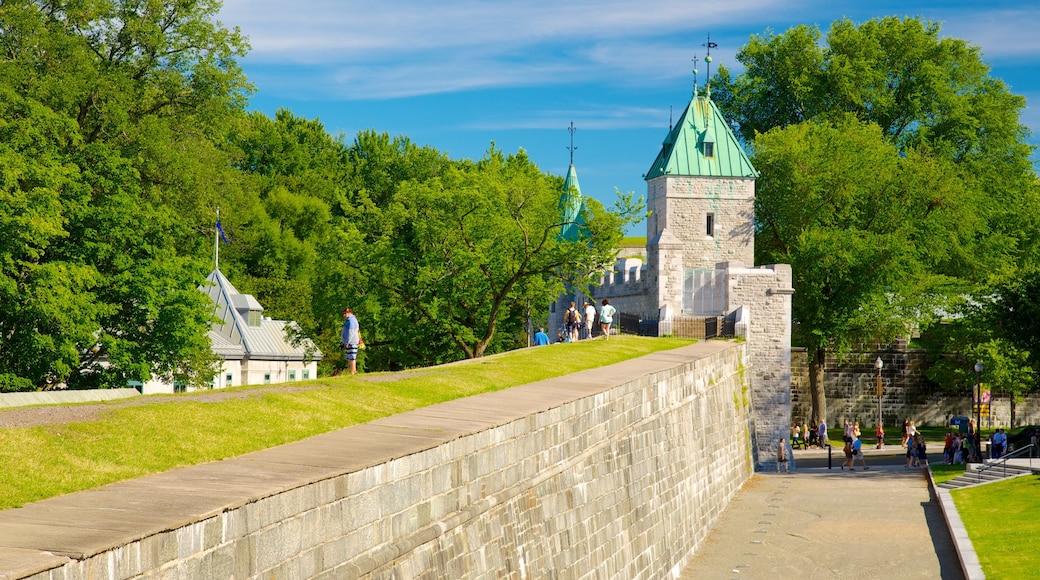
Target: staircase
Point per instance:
(994, 471)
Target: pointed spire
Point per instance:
(707, 60)
(695, 74)
(572, 147)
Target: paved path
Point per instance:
(820, 523)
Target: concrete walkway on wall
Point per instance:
(820, 523)
(49, 533)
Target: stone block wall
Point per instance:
(617, 472)
(681, 203)
(907, 392)
(763, 297)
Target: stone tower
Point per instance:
(700, 256)
(701, 194)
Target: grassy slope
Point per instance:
(131, 441)
(1003, 522)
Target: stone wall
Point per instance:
(850, 389)
(617, 472)
(762, 298)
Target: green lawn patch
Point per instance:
(171, 431)
(942, 472)
(1003, 523)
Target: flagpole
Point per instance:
(216, 242)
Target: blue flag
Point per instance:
(220, 230)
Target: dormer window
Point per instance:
(255, 316)
(709, 149)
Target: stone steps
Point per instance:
(971, 477)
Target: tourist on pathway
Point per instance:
(590, 318)
(848, 454)
(781, 456)
(906, 431)
(880, 434)
(350, 336)
(857, 453)
(823, 433)
(572, 321)
(606, 317)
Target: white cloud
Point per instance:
(362, 50)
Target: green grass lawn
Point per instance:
(942, 472)
(165, 433)
(1003, 522)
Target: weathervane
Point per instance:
(572, 147)
(695, 74)
(707, 60)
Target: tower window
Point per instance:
(710, 223)
(709, 149)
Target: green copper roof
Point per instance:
(570, 206)
(685, 150)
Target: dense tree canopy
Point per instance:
(895, 175)
(98, 104)
(445, 254)
(123, 130)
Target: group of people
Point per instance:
(579, 324)
(957, 449)
(809, 435)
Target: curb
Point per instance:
(966, 555)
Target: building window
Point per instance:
(709, 149)
(306, 374)
(255, 316)
(267, 378)
(292, 375)
(710, 223)
(228, 380)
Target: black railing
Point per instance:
(701, 327)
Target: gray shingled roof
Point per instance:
(235, 339)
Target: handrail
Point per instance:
(1003, 460)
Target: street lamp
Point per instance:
(978, 409)
(879, 364)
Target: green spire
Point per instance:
(701, 144)
(570, 201)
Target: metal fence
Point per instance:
(700, 327)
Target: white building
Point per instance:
(255, 349)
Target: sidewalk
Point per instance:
(820, 523)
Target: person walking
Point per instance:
(823, 434)
(590, 319)
(848, 455)
(606, 317)
(857, 453)
(540, 338)
(781, 457)
(880, 434)
(350, 336)
(572, 321)
(906, 431)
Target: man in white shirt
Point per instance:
(590, 317)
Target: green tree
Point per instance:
(873, 236)
(441, 259)
(113, 109)
(940, 195)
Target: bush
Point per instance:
(12, 384)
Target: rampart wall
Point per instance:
(616, 472)
(850, 387)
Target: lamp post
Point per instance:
(978, 409)
(878, 364)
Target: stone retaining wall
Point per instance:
(619, 473)
(850, 389)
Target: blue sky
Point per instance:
(459, 74)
